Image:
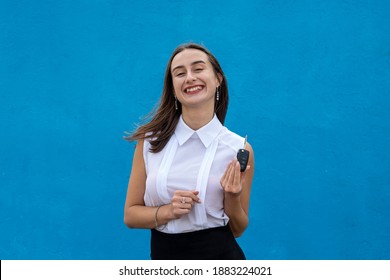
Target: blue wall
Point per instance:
(309, 84)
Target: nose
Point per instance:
(190, 77)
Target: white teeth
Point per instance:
(193, 89)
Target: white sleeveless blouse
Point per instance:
(192, 160)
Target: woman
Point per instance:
(185, 182)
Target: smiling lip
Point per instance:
(193, 89)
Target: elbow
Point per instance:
(128, 221)
(238, 233)
(238, 229)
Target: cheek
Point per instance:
(176, 85)
(211, 80)
(212, 84)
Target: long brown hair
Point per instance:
(165, 118)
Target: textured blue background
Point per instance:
(309, 84)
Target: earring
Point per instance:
(217, 93)
(176, 103)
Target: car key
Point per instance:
(243, 156)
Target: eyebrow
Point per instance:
(193, 63)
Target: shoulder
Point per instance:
(250, 149)
(139, 152)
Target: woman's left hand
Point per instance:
(232, 178)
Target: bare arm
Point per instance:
(237, 187)
(136, 214)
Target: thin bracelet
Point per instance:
(155, 217)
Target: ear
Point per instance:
(219, 78)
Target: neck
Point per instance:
(196, 118)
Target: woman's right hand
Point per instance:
(183, 201)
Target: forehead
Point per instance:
(187, 57)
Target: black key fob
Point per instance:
(243, 157)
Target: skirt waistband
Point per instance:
(192, 234)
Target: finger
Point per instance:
(178, 207)
(231, 173)
(180, 194)
(243, 174)
(177, 199)
(179, 212)
(225, 175)
(186, 205)
(191, 193)
(194, 196)
(225, 178)
(185, 201)
(237, 174)
(188, 196)
(246, 169)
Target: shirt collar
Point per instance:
(206, 133)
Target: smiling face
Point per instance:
(194, 79)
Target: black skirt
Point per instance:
(209, 244)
